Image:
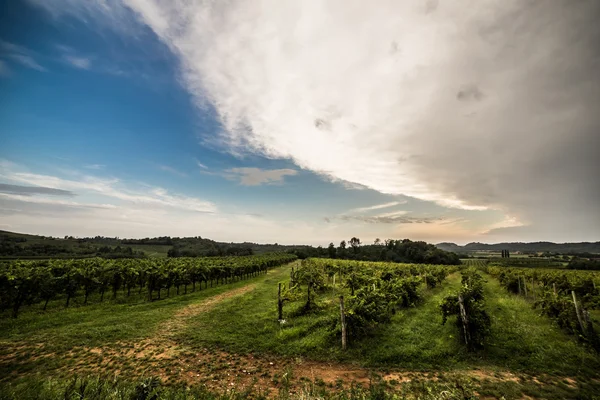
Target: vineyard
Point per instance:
(30, 282)
(376, 290)
(567, 297)
(414, 329)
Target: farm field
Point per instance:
(225, 339)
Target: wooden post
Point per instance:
(333, 287)
(463, 317)
(588, 323)
(279, 305)
(525, 286)
(578, 312)
(343, 320)
(533, 288)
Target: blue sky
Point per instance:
(156, 120)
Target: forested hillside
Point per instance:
(563, 248)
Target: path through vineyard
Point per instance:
(168, 354)
(160, 353)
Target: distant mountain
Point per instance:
(581, 247)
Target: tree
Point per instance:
(377, 242)
(331, 252)
(343, 244)
(355, 243)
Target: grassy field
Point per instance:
(228, 337)
(416, 339)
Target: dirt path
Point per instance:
(163, 344)
(174, 325)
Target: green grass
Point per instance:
(415, 339)
(524, 340)
(249, 324)
(521, 341)
(94, 325)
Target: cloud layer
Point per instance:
(470, 104)
(31, 190)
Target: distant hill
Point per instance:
(20, 245)
(582, 247)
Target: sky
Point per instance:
(301, 122)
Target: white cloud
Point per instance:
(507, 222)
(257, 176)
(77, 61)
(52, 201)
(20, 54)
(293, 75)
(201, 165)
(392, 214)
(112, 188)
(95, 166)
(85, 205)
(172, 170)
(377, 206)
(27, 61)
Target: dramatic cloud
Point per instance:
(29, 190)
(470, 104)
(491, 108)
(257, 176)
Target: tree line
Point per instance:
(390, 250)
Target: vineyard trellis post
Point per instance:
(588, 322)
(333, 286)
(279, 304)
(343, 322)
(525, 286)
(578, 312)
(463, 317)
